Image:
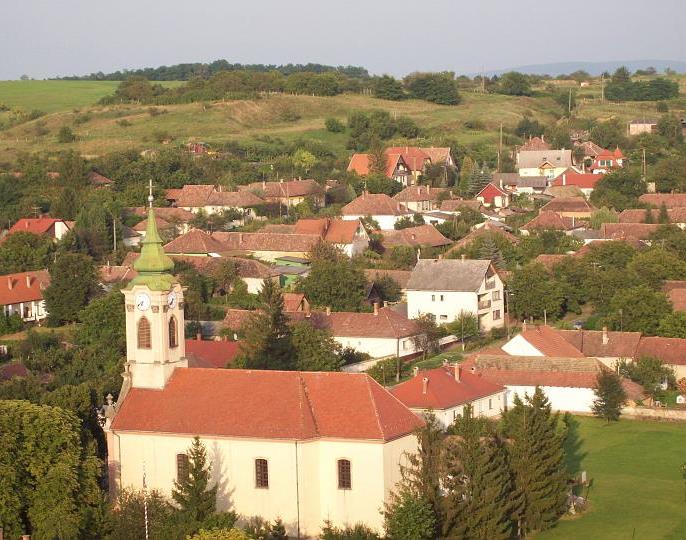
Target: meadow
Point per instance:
(637, 489)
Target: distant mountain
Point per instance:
(594, 68)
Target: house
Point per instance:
(550, 260)
(439, 155)
(445, 288)
(51, 227)
(267, 246)
(446, 390)
(608, 161)
(455, 205)
(401, 277)
(98, 180)
(420, 198)
(569, 383)
(638, 127)
(624, 231)
(548, 220)
(422, 235)
(288, 193)
(212, 199)
(196, 243)
(349, 236)
(489, 228)
(535, 144)
(396, 169)
(571, 207)
(295, 457)
(178, 218)
(607, 346)
(378, 206)
(111, 275)
(521, 185)
(548, 163)
(675, 216)
(22, 294)
(404, 164)
(540, 341)
(670, 200)
(586, 182)
(494, 196)
(672, 352)
(295, 302)
(589, 149)
(415, 158)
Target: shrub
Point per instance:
(123, 123)
(334, 125)
(65, 135)
(662, 107)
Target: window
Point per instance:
(496, 315)
(496, 296)
(490, 404)
(404, 345)
(344, 476)
(443, 317)
(261, 473)
(441, 298)
(144, 341)
(173, 339)
(182, 467)
(433, 297)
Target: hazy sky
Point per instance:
(45, 38)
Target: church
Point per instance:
(305, 447)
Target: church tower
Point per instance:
(155, 343)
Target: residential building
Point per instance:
(672, 352)
(637, 127)
(296, 458)
(378, 206)
(675, 216)
(586, 182)
(455, 205)
(535, 144)
(445, 392)
(607, 161)
(179, 218)
(521, 185)
(51, 227)
(540, 341)
(22, 294)
(267, 246)
(494, 196)
(404, 164)
(420, 198)
(548, 163)
(396, 169)
(445, 288)
(195, 243)
(213, 199)
(625, 231)
(607, 346)
(488, 228)
(571, 207)
(548, 220)
(349, 236)
(288, 193)
(670, 200)
(422, 235)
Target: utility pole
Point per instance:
(644, 166)
(483, 81)
(602, 87)
(570, 102)
(114, 232)
(500, 146)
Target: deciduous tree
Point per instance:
(610, 396)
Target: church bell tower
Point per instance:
(155, 343)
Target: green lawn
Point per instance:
(637, 489)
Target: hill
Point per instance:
(593, 68)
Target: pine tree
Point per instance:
(537, 463)
(610, 396)
(649, 216)
(663, 216)
(268, 340)
(489, 250)
(480, 177)
(196, 500)
(477, 481)
(465, 175)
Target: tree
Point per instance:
(534, 293)
(656, 265)
(537, 461)
(193, 494)
(67, 204)
(377, 158)
(388, 288)
(610, 396)
(514, 84)
(73, 283)
(673, 325)
(387, 87)
(637, 309)
(477, 483)
(125, 517)
(650, 373)
(619, 189)
(558, 135)
(409, 517)
(225, 275)
(437, 88)
(427, 336)
(315, 348)
(24, 251)
(334, 125)
(465, 175)
(528, 127)
(489, 250)
(603, 215)
(334, 280)
(223, 534)
(669, 126)
(65, 135)
(303, 159)
(466, 325)
(621, 75)
(402, 257)
(268, 340)
(609, 134)
(663, 216)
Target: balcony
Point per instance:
(484, 304)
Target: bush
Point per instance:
(65, 135)
(357, 532)
(9, 324)
(123, 123)
(662, 107)
(289, 115)
(334, 125)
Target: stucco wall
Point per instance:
(38, 312)
(518, 346)
(489, 406)
(386, 223)
(565, 399)
(379, 347)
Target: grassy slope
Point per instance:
(637, 488)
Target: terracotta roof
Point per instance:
(289, 188)
(98, 179)
(422, 235)
(549, 220)
(23, 287)
(359, 163)
(236, 318)
(453, 205)
(676, 292)
(40, 225)
(563, 191)
(266, 241)
(374, 204)
(401, 277)
(583, 181)
(117, 274)
(448, 275)
(443, 391)
(670, 200)
(568, 204)
(194, 241)
(590, 149)
(13, 369)
(293, 301)
(486, 230)
(161, 223)
(336, 231)
(638, 215)
(419, 193)
(413, 156)
(170, 214)
(216, 402)
(437, 154)
(619, 231)
(491, 186)
(535, 143)
(550, 342)
(592, 343)
(194, 196)
(550, 261)
(669, 350)
(210, 354)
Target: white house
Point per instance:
(22, 294)
(446, 390)
(213, 199)
(302, 446)
(54, 228)
(445, 288)
(548, 163)
(378, 206)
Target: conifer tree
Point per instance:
(663, 216)
(610, 396)
(465, 175)
(268, 340)
(477, 481)
(489, 250)
(537, 463)
(196, 500)
(649, 216)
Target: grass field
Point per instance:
(637, 489)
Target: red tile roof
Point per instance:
(620, 231)
(419, 193)
(98, 179)
(568, 204)
(422, 235)
(670, 200)
(582, 181)
(488, 229)
(294, 301)
(194, 241)
(170, 214)
(638, 215)
(199, 195)
(676, 292)
(550, 261)
(549, 342)
(42, 225)
(336, 231)
(211, 354)
(216, 402)
(443, 391)
(601, 344)
(453, 205)
(669, 350)
(413, 156)
(117, 274)
(535, 143)
(359, 163)
(266, 241)
(549, 220)
(289, 188)
(162, 224)
(374, 204)
(23, 287)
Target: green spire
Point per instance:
(153, 264)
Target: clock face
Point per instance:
(171, 300)
(142, 301)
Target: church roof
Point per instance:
(290, 405)
(153, 264)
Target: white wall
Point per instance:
(518, 346)
(386, 223)
(37, 310)
(379, 347)
(489, 406)
(562, 398)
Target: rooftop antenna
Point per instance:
(150, 196)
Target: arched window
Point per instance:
(182, 467)
(261, 473)
(345, 480)
(173, 339)
(144, 340)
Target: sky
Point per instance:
(47, 38)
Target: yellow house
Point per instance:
(301, 446)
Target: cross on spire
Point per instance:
(150, 197)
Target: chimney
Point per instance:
(240, 238)
(463, 256)
(308, 313)
(524, 325)
(376, 308)
(28, 281)
(198, 336)
(606, 338)
(415, 371)
(425, 384)
(458, 372)
(10, 283)
(264, 184)
(328, 311)
(564, 179)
